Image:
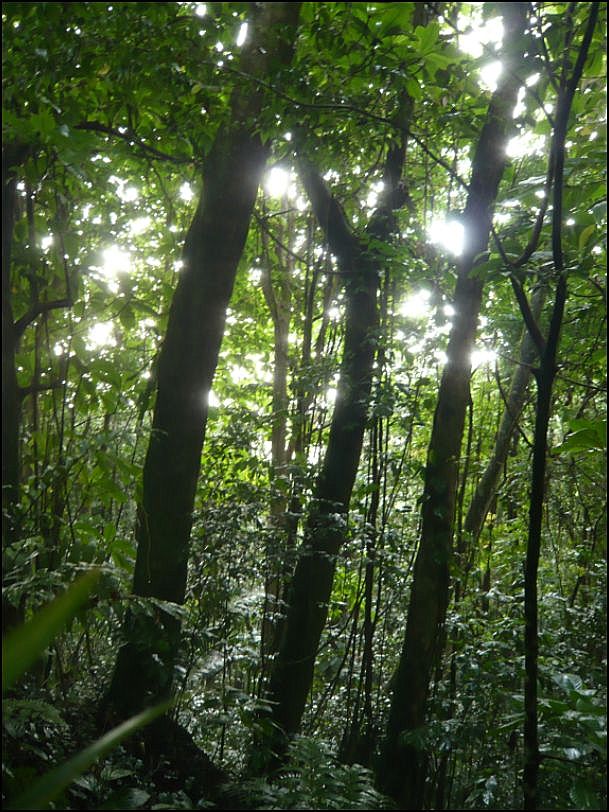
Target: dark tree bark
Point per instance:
(515, 401)
(311, 586)
(187, 363)
(10, 391)
(545, 375)
(13, 155)
(402, 770)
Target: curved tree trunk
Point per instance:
(487, 487)
(402, 771)
(187, 363)
(311, 586)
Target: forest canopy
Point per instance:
(304, 405)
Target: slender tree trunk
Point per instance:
(402, 771)
(187, 363)
(545, 376)
(278, 298)
(292, 673)
(12, 155)
(487, 487)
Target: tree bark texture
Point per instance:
(402, 771)
(311, 586)
(487, 487)
(187, 363)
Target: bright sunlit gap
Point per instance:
(277, 182)
(477, 34)
(242, 35)
(489, 75)
(100, 335)
(115, 261)
(186, 192)
(448, 235)
(417, 306)
(483, 357)
(526, 143)
(126, 194)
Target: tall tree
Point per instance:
(187, 362)
(545, 375)
(402, 770)
(360, 262)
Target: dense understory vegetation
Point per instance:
(304, 372)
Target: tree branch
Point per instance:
(37, 309)
(329, 213)
(132, 140)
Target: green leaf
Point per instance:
(55, 781)
(24, 645)
(585, 236)
(584, 796)
(587, 435)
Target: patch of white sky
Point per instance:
(101, 334)
(280, 182)
(477, 38)
(448, 233)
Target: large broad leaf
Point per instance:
(24, 645)
(585, 435)
(54, 782)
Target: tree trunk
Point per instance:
(186, 366)
(12, 155)
(292, 673)
(279, 300)
(487, 487)
(402, 771)
(545, 381)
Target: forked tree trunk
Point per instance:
(402, 767)
(311, 586)
(187, 363)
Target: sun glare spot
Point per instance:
(475, 37)
(128, 194)
(238, 374)
(483, 357)
(277, 182)
(212, 399)
(115, 261)
(447, 234)
(417, 306)
(527, 143)
(331, 394)
(201, 10)
(100, 335)
(186, 192)
(242, 35)
(138, 226)
(490, 74)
